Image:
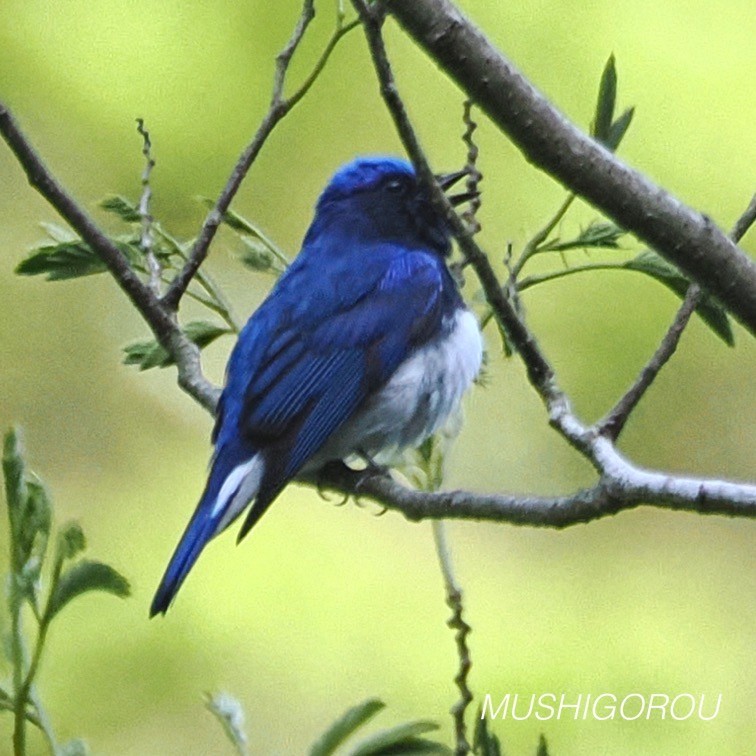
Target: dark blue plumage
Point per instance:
(364, 343)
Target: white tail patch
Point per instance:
(238, 489)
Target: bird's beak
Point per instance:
(447, 180)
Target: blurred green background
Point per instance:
(323, 606)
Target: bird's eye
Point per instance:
(395, 187)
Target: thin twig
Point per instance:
(280, 106)
(147, 241)
(539, 370)
(745, 221)
(613, 423)
(462, 630)
(533, 245)
(283, 59)
(474, 176)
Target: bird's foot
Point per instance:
(372, 468)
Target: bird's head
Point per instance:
(382, 199)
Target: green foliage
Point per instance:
(485, 743)
(543, 749)
(150, 354)
(259, 253)
(69, 257)
(401, 739)
(121, 207)
(405, 738)
(597, 235)
(86, 575)
(608, 131)
(62, 261)
(30, 516)
(600, 235)
(350, 721)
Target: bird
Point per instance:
(363, 346)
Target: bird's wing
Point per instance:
(336, 348)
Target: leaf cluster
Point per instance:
(37, 551)
(407, 738)
(65, 256)
(604, 236)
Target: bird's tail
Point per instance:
(230, 487)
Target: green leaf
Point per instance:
(345, 726)
(605, 103)
(250, 233)
(710, 311)
(229, 712)
(84, 576)
(147, 355)
(14, 470)
(62, 261)
(543, 749)
(414, 747)
(150, 354)
(485, 743)
(257, 256)
(618, 129)
(71, 540)
(399, 737)
(58, 233)
(121, 207)
(35, 524)
(597, 235)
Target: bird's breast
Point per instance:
(419, 397)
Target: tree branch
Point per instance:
(147, 240)
(279, 107)
(614, 422)
(612, 425)
(540, 372)
(621, 485)
(684, 236)
(162, 323)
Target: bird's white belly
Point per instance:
(417, 399)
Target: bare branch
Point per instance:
(147, 240)
(541, 235)
(621, 488)
(746, 220)
(612, 425)
(684, 236)
(283, 59)
(474, 176)
(614, 421)
(457, 623)
(621, 485)
(280, 106)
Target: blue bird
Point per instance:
(363, 346)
